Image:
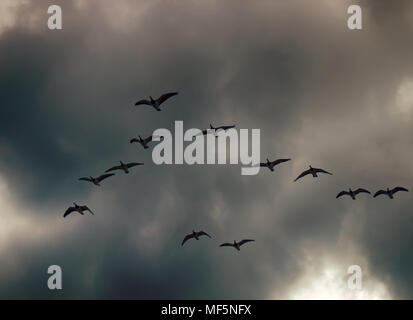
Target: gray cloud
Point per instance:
(321, 94)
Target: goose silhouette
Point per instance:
(352, 193)
(271, 164)
(156, 103)
(143, 142)
(221, 128)
(236, 245)
(390, 192)
(124, 166)
(96, 181)
(313, 172)
(216, 130)
(194, 235)
(76, 208)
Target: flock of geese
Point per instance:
(156, 103)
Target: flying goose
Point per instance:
(352, 193)
(195, 235)
(271, 164)
(225, 128)
(389, 192)
(77, 208)
(236, 245)
(143, 142)
(96, 181)
(125, 166)
(156, 103)
(312, 171)
(216, 130)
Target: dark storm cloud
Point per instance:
(320, 94)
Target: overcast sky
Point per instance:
(320, 93)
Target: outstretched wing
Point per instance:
(203, 233)
(302, 174)
(263, 164)
(143, 102)
(147, 140)
(244, 241)
(104, 176)
(226, 244)
(133, 164)
(379, 193)
(134, 140)
(397, 189)
(85, 208)
(322, 171)
(86, 179)
(342, 193)
(225, 128)
(114, 168)
(166, 96)
(68, 211)
(361, 190)
(187, 237)
(278, 161)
